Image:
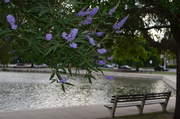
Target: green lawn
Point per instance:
(163, 72)
(157, 115)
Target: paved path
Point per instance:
(80, 112)
(90, 111)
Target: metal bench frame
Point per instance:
(138, 100)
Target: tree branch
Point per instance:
(169, 44)
(155, 27)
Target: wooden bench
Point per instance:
(138, 100)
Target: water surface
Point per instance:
(20, 91)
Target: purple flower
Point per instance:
(99, 33)
(48, 37)
(101, 51)
(91, 40)
(8, 39)
(64, 35)
(73, 45)
(10, 19)
(13, 51)
(6, 1)
(80, 24)
(82, 13)
(15, 58)
(112, 10)
(13, 26)
(88, 36)
(118, 31)
(71, 35)
(93, 11)
(99, 45)
(101, 62)
(87, 21)
(110, 58)
(63, 80)
(109, 77)
(117, 26)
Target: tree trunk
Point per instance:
(32, 65)
(177, 106)
(137, 66)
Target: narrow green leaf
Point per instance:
(58, 75)
(49, 50)
(63, 87)
(53, 80)
(69, 84)
(43, 12)
(52, 76)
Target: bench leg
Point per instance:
(163, 107)
(111, 113)
(140, 109)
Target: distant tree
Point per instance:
(136, 49)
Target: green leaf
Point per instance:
(49, 50)
(58, 75)
(53, 80)
(85, 32)
(63, 87)
(69, 84)
(37, 48)
(70, 72)
(43, 12)
(29, 31)
(2, 32)
(52, 76)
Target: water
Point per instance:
(20, 91)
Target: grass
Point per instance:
(162, 72)
(156, 115)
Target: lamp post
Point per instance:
(150, 62)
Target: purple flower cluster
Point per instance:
(63, 80)
(91, 40)
(101, 51)
(13, 51)
(71, 35)
(109, 77)
(99, 33)
(101, 62)
(91, 13)
(6, 1)
(117, 26)
(15, 58)
(99, 45)
(73, 45)
(86, 22)
(83, 13)
(8, 39)
(112, 10)
(110, 58)
(48, 37)
(11, 20)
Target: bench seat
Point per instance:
(138, 100)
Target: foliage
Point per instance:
(136, 50)
(52, 32)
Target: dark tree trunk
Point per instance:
(177, 106)
(137, 66)
(32, 65)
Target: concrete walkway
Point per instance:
(91, 111)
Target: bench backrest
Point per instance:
(154, 96)
(127, 98)
(140, 97)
